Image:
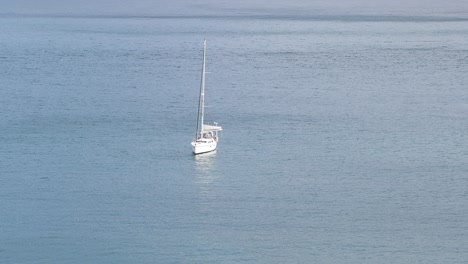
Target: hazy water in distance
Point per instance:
(345, 140)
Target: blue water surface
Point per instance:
(345, 139)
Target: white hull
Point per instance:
(202, 147)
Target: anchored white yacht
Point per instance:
(206, 137)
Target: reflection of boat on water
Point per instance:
(205, 165)
(206, 138)
(204, 160)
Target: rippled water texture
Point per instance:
(345, 140)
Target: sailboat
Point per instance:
(206, 137)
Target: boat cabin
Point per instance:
(207, 136)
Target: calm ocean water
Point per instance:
(345, 140)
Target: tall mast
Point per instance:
(203, 85)
(201, 98)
